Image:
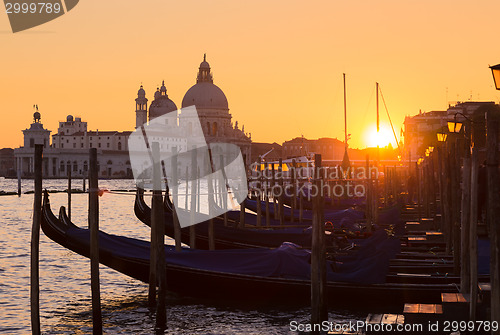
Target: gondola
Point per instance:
(228, 237)
(269, 277)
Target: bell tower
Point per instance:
(141, 108)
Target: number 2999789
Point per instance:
(33, 8)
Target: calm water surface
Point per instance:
(65, 283)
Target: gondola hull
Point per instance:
(131, 257)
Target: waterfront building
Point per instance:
(69, 148)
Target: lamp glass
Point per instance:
(495, 70)
(454, 126)
(442, 137)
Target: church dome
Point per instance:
(205, 94)
(161, 105)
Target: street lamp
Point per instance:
(431, 149)
(454, 126)
(442, 135)
(495, 70)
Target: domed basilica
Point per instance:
(211, 105)
(68, 150)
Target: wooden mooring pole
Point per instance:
(175, 198)
(94, 243)
(35, 243)
(84, 188)
(465, 220)
(158, 270)
(19, 182)
(69, 194)
(268, 215)
(281, 194)
(194, 194)
(473, 233)
(493, 211)
(318, 254)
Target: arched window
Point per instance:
(110, 162)
(75, 166)
(214, 129)
(61, 167)
(208, 127)
(85, 166)
(119, 145)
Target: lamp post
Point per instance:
(493, 209)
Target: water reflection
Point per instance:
(65, 283)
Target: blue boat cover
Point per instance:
(368, 266)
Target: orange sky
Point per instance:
(280, 63)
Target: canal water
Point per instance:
(65, 305)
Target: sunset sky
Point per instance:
(280, 63)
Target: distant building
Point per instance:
(211, 105)
(70, 150)
(420, 130)
(7, 162)
(266, 151)
(330, 149)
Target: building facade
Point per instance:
(69, 148)
(420, 130)
(212, 108)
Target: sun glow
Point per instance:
(381, 139)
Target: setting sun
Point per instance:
(381, 139)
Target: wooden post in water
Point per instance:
(368, 191)
(224, 189)
(211, 190)
(268, 215)
(293, 204)
(69, 194)
(194, 169)
(473, 231)
(301, 204)
(187, 190)
(281, 196)
(19, 182)
(275, 207)
(493, 209)
(35, 242)
(158, 271)
(259, 197)
(94, 243)
(174, 187)
(241, 224)
(455, 209)
(417, 179)
(465, 219)
(318, 272)
(84, 188)
(386, 185)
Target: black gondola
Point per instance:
(131, 257)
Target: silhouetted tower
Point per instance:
(141, 108)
